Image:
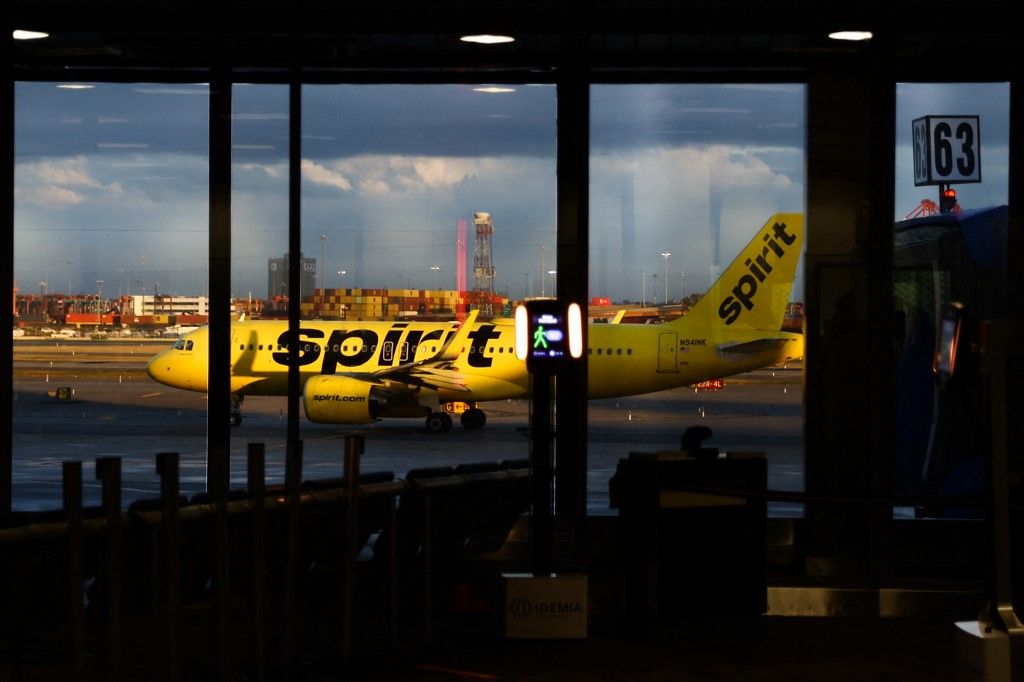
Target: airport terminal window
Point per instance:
(682, 177)
(940, 429)
(259, 257)
(420, 202)
(110, 257)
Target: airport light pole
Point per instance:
(665, 255)
(323, 269)
(143, 259)
(99, 314)
(554, 274)
(435, 269)
(643, 288)
(323, 260)
(341, 275)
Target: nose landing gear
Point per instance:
(236, 410)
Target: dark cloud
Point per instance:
(350, 120)
(631, 116)
(110, 118)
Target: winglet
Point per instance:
(458, 343)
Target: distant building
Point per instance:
(167, 305)
(277, 277)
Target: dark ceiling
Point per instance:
(938, 40)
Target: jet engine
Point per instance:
(339, 400)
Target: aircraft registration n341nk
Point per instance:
(356, 372)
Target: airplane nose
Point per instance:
(153, 368)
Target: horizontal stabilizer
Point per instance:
(752, 347)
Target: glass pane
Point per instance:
(110, 251)
(419, 204)
(683, 177)
(942, 257)
(259, 267)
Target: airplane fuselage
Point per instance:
(356, 372)
(623, 359)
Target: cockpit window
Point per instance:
(180, 345)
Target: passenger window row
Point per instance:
(610, 351)
(315, 348)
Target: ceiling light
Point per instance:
(487, 39)
(493, 89)
(29, 35)
(75, 86)
(850, 35)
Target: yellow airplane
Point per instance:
(356, 372)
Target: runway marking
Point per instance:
(151, 395)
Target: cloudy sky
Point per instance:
(111, 181)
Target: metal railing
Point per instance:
(251, 551)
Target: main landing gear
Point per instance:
(473, 418)
(440, 422)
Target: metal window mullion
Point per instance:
(573, 179)
(219, 406)
(294, 246)
(7, 263)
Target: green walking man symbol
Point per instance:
(539, 338)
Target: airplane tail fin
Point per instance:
(753, 291)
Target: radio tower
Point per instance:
(483, 268)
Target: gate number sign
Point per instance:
(947, 149)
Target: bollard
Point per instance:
(392, 535)
(353, 449)
(108, 471)
(76, 616)
(167, 467)
(428, 561)
(292, 476)
(257, 486)
(221, 586)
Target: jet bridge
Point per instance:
(942, 433)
